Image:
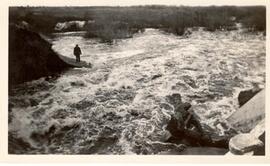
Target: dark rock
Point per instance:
(259, 132)
(186, 106)
(246, 95)
(77, 83)
(174, 99)
(262, 137)
(177, 121)
(261, 150)
(30, 56)
(156, 76)
(33, 102)
(175, 131)
(185, 127)
(133, 113)
(176, 125)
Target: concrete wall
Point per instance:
(250, 114)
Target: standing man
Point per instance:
(77, 52)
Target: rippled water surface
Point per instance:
(119, 105)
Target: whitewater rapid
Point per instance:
(119, 106)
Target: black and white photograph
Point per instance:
(170, 78)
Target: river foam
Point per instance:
(119, 106)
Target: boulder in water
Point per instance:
(177, 121)
(182, 122)
(156, 76)
(79, 83)
(185, 127)
(244, 143)
(252, 142)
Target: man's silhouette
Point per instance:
(77, 52)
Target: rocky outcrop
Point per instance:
(30, 56)
(185, 127)
(244, 143)
(249, 143)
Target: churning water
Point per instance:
(119, 105)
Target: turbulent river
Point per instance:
(119, 106)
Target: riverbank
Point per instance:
(31, 57)
(110, 23)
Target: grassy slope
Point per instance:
(122, 22)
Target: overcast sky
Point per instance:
(141, 2)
